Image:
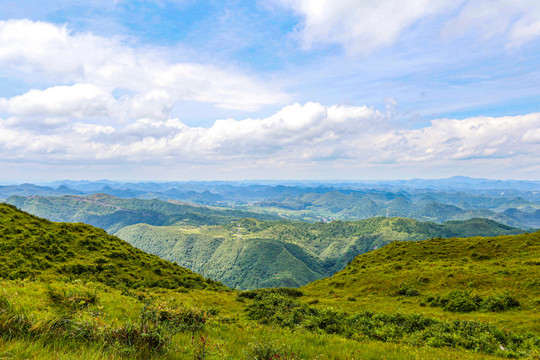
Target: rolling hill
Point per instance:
(417, 277)
(420, 205)
(245, 253)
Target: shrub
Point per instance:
(407, 290)
(460, 301)
(500, 302)
(463, 301)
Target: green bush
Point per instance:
(500, 302)
(463, 301)
(407, 290)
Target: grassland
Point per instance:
(135, 313)
(402, 276)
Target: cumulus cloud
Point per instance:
(97, 66)
(364, 25)
(77, 101)
(302, 136)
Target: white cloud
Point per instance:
(310, 137)
(364, 25)
(361, 26)
(77, 101)
(517, 22)
(48, 52)
(449, 139)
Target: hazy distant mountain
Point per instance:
(509, 202)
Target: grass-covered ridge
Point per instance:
(495, 279)
(31, 247)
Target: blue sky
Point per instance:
(292, 89)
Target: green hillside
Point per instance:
(422, 277)
(249, 253)
(49, 311)
(33, 248)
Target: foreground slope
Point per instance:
(419, 277)
(249, 253)
(31, 247)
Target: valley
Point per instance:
(244, 250)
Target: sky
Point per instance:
(276, 89)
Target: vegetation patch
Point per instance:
(271, 308)
(151, 333)
(465, 301)
(252, 294)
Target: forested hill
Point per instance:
(31, 247)
(112, 213)
(250, 253)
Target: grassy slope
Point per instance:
(37, 248)
(250, 253)
(483, 266)
(75, 330)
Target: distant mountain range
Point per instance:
(514, 203)
(421, 205)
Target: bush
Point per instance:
(407, 290)
(500, 302)
(463, 301)
(252, 294)
(460, 301)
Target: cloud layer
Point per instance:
(309, 135)
(362, 26)
(113, 102)
(103, 67)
